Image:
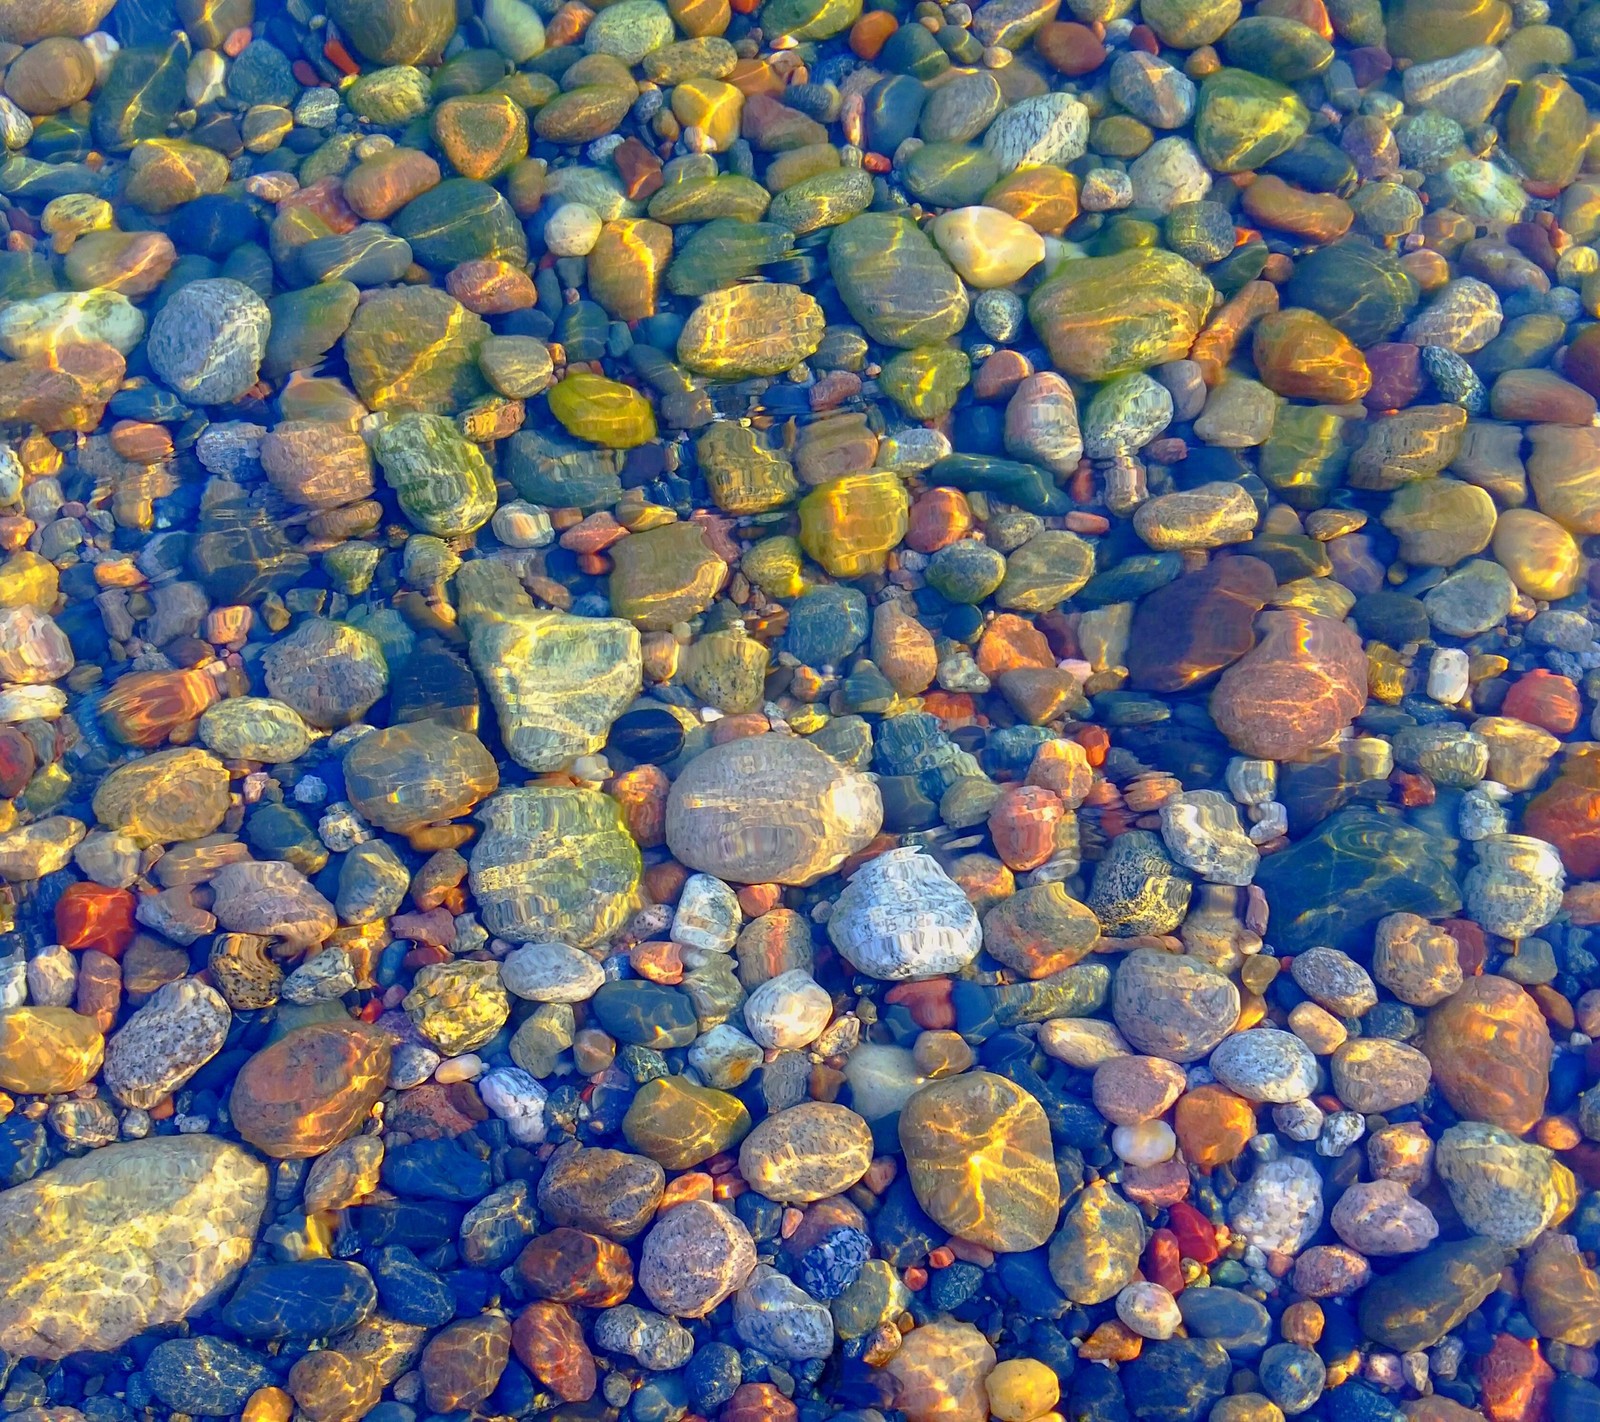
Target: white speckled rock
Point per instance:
(788, 1011)
(208, 340)
(1202, 832)
(1047, 128)
(724, 1057)
(1265, 1064)
(1280, 1207)
(165, 1042)
(1380, 1217)
(551, 972)
(694, 1257)
(708, 915)
(1149, 1310)
(902, 917)
(518, 1100)
(1503, 1188)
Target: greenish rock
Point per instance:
(1361, 289)
(743, 475)
(1414, 1306)
(725, 251)
(605, 412)
(704, 198)
(557, 682)
(141, 94)
(762, 328)
(442, 481)
(645, 1014)
(518, 367)
(1107, 316)
(461, 220)
(822, 200)
(255, 728)
(549, 468)
(1045, 571)
(1333, 886)
(554, 863)
(587, 112)
(1472, 600)
(1304, 458)
(894, 281)
(966, 571)
(306, 324)
(390, 97)
(396, 33)
(1546, 129)
(1244, 120)
(1025, 485)
(809, 19)
(1483, 192)
(925, 383)
(950, 174)
(629, 30)
(1280, 48)
(415, 348)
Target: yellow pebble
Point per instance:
(711, 106)
(268, 1404)
(1021, 1389)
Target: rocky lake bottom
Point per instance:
(800, 711)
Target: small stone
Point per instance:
(901, 917)
(312, 1088)
(1265, 1065)
(1280, 1207)
(1096, 1252)
(1491, 1051)
(164, 1043)
(1172, 1007)
(809, 1152)
(1504, 1189)
(698, 1255)
(978, 1153)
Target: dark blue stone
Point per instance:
(208, 1376)
(456, 1169)
(646, 1014)
(311, 1298)
(1356, 1402)
(1026, 1279)
(1176, 1380)
(1095, 1395)
(23, 1150)
(262, 75)
(663, 1398)
(1235, 1321)
(949, 1288)
(826, 625)
(713, 1375)
(831, 1265)
(409, 1291)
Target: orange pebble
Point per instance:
(693, 1185)
(1009, 642)
(937, 519)
(871, 32)
(916, 1278)
(1111, 1342)
(93, 916)
(757, 899)
(659, 960)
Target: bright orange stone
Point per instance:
(1213, 1126)
(548, 1342)
(568, 1266)
(1011, 641)
(1544, 698)
(93, 916)
(144, 708)
(1568, 815)
(1515, 1379)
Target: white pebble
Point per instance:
(1148, 1143)
(1149, 1310)
(1447, 676)
(572, 230)
(788, 1011)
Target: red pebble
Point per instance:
(1196, 1235)
(929, 1003)
(1161, 1262)
(1544, 698)
(1515, 1380)
(93, 916)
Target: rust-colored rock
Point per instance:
(310, 1089)
(549, 1343)
(1213, 1126)
(1302, 682)
(1491, 1051)
(569, 1266)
